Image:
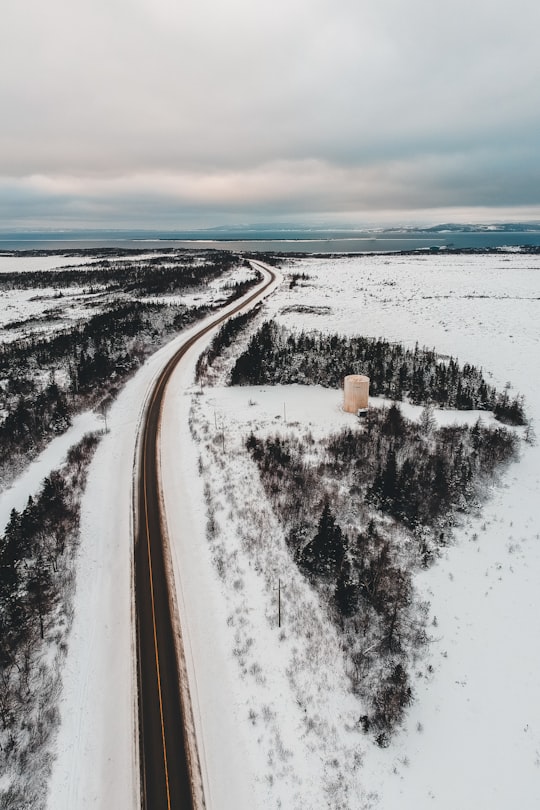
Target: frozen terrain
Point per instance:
(103, 563)
(277, 721)
(472, 737)
(96, 764)
(27, 484)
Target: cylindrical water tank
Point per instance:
(355, 393)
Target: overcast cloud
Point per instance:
(173, 114)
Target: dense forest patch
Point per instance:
(159, 275)
(277, 355)
(36, 587)
(224, 338)
(361, 511)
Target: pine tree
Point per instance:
(324, 554)
(346, 591)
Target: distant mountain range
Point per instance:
(282, 231)
(287, 231)
(252, 231)
(501, 227)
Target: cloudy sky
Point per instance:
(192, 113)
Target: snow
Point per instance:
(480, 742)
(223, 755)
(18, 305)
(32, 264)
(96, 756)
(95, 762)
(95, 748)
(282, 407)
(25, 313)
(472, 736)
(29, 483)
(96, 751)
(273, 710)
(42, 310)
(233, 631)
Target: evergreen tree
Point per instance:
(384, 487)
(346, 591)
(324, 554)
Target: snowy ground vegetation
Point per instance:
(358, 521)
(74, 329)
(37, 564)
(72, 336)
(287, 718)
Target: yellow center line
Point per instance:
(161, 385)
(154, 625)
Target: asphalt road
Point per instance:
(166, 783)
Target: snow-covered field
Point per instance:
(33, 264)
(43, 310)
(54, 455)
(27, 264)
(277, 721)
(472, 737)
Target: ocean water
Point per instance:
(292, 242)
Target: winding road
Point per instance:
(168, 764)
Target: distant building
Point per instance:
(356, 393)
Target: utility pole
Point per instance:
(279, 602)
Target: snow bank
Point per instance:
(29, 483)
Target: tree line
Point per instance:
(158, 275)
(276, 355)
(36, 570)
(45, 380)
(224, 338)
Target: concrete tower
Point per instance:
(355, 393)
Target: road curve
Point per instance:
(167, 761)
